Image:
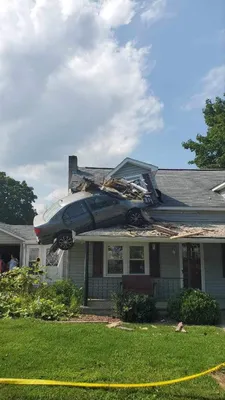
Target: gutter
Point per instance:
(189, 209)
(149, 239)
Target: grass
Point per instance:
(91, 353)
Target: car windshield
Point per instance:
(52, 211)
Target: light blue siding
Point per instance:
(130, 169)
(188, 216)
(214, 280)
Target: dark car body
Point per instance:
(83, 212)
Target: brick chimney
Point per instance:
(73, 168)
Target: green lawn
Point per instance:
(91, 353)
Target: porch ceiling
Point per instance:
(179, 229)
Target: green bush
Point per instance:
(48, 310)
(19, 280)
(24, 294)
(174, 304)
(194, 307)
(13, 306)
(66, 291)
(132, 307)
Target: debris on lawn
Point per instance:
(219, 376)
(180, 328)
(113, 324)
(124, 328)
(143, 329)
(91, 318)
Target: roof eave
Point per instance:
(149, 239)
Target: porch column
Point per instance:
(86, 265)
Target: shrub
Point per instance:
(24, 294)
(132, 307)
(47, 309)
(174, 304)
(13, 306)
(65, 290)
(194, 307)
(19, 280)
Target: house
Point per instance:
(192, 203)
(20, 241)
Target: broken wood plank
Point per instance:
(187, 234)
(165, 230)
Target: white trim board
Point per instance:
(134, 162)
(202, 266)
(93, 238)
(219, 187)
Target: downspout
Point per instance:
(86, 262)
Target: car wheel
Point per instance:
(65, 241)
(135, 217)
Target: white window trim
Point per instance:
(126, 259)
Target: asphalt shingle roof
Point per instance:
(180, 188)
(25, 232)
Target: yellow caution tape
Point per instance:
(9, 381)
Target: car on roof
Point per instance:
(82, 212)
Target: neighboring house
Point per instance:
(20, 241)
(105, 260)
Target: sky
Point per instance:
(104, 80)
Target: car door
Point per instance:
(106, 210)
(78, 218)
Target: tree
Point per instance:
(210, 149)
(16, 201)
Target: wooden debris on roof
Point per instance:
(165, 230)
(122, 188)
(188, 234)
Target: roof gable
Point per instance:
(133, 162)
(20, 232)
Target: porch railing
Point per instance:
(103, 288)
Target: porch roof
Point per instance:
(23, 232)
(180, 230)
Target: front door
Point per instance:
(192, 266)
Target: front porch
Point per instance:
(100, 266)
(102, 288)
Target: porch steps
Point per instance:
(98, 307)
(105, 307)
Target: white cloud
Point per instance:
(57, 194)
(118, 12)
(212, 85)
(154, 10)
(67, 86)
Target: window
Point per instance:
(52, 259)
(136, 260)
(72, 212)
(99, 202)
(115, 260)
(126, 259)
(52, 211)
(33, 255)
